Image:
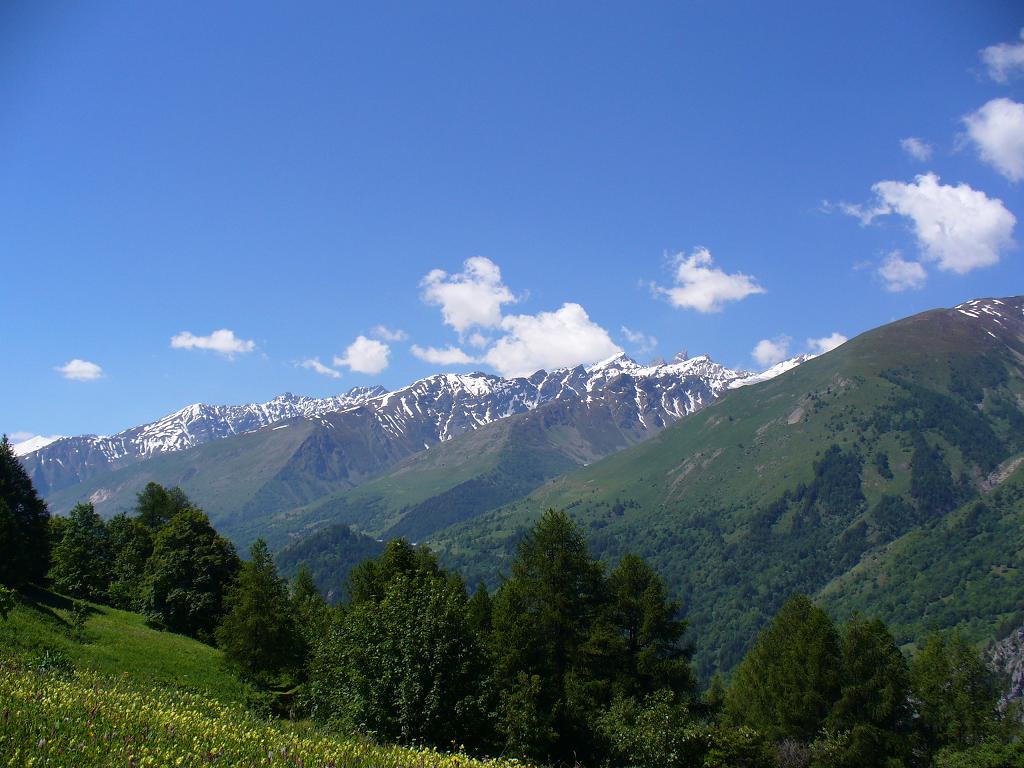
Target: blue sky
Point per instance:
(505, 186)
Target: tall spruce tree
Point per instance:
(873, 706)
(786, 685)
(260, 632)
(24, 524)
(542, 617)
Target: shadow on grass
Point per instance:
(48, 603)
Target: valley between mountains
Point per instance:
(886, 476)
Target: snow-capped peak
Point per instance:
(770, 373)
(26, 447)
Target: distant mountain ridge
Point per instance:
(338, 443)
(69, 460)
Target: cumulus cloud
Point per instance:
(547, 340)
(957, 227)
(1004, 60)
(473, 297)
(223, 342)
(388, 334)
(899, 275)
(917, 148)
(449, 355)
(314, 364)
(771, 351)
(701, 286)
(80, 370)
(640, 341)
(997, 130)
(826, 343)
(365, 356)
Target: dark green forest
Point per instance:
(567, 662)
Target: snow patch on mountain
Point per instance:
(26, 447)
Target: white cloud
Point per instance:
(997, 130)
(901, 275)
(958, 227)
(548, 340)
(365, 356)
(314, 364)
(473, 297)
(640, 340)
(917, 148)
(477, 339)
(771, 351)
(1005, 60)
(449, 355)
(223, 342)
(826, 343)
(702, 287)
(388, 334)
(21, 436)
(80, 370)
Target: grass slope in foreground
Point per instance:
(43, 629)
(82, 719)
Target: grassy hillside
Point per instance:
(963, 570)
(83, 719)
(44, 629)
(787, 485)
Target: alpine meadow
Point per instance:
(351, 419)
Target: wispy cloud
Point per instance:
(997, 130)
(80, 370)
(771, 351)
(388, 334)
(641, 342)
(365, 356)
(223, 342)
(917, 148)
(899, 275)
(473, 297)
(450, 355)
(314, 364)
(701, 286)
(957, 227)
(1005, 60)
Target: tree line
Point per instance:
(567, 662)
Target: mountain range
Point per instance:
(885, 476)
(246, 464)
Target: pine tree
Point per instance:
(259, 632)
(156, 505)
(955, 693)
(786, 685)
(873, 706)
(542, 617)
(24, 524)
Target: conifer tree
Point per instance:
(786, 685)
(259, 632)
(24, 524)
(542, 617)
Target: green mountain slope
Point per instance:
(223, 476)
(460, 479)
(42, 627)
(787, 485)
